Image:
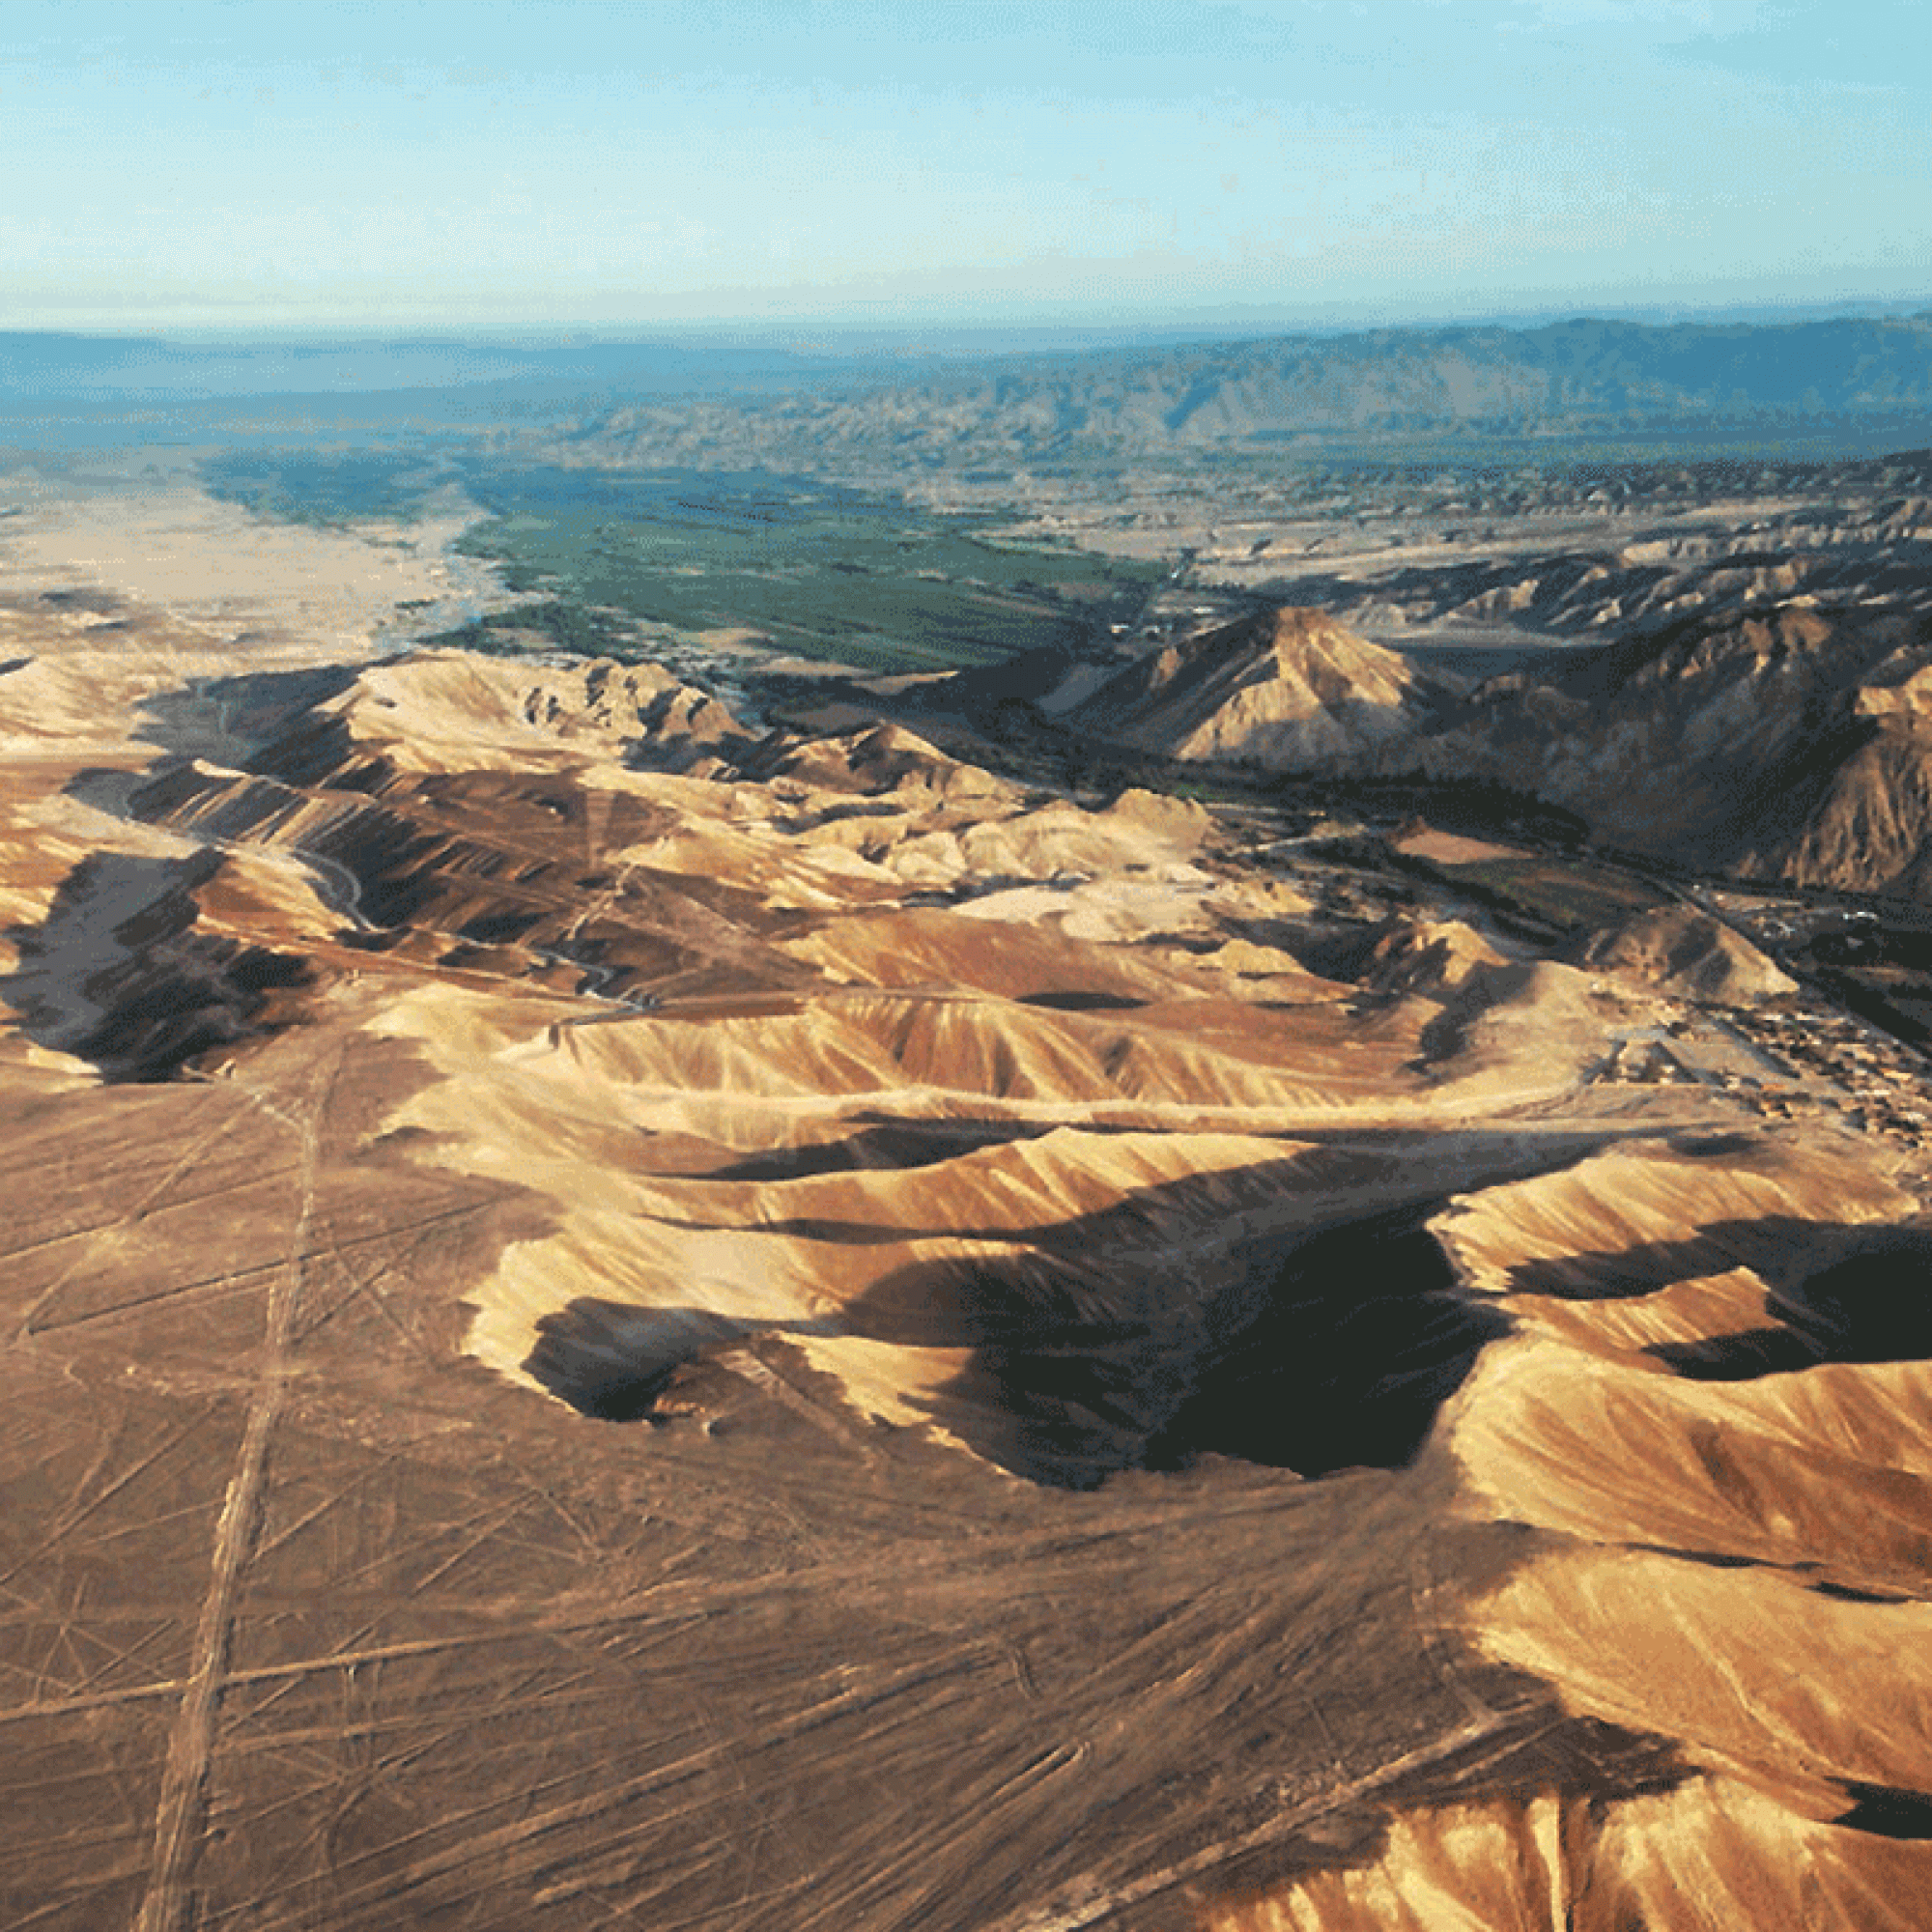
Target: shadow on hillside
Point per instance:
(226, 719)
(612, 1360)
(1161, 1329)
(1841, 1295)
(1835, 1292)
(118, 974)
(1314, 1352)
(1149, 1333)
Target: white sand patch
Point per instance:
(222, 571)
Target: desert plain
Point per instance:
(632, 1305)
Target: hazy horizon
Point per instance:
(918, 335)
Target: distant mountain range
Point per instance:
(1576, 378)
(724, 402)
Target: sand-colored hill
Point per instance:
(611, 1324)
(455, 711)
(1791, 742)
(1690, 954)
(1293, 690)
(1430, 956)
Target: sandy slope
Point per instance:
(1294, 690)
(686, 1332)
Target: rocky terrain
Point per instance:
(1789, 744)
(1742, 695)
(620, 1314)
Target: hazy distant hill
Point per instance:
(725, 402)
(1570, 378)
(1570, 375)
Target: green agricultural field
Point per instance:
(822, 571)
(327, 487)
(825, 573)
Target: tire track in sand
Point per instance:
(182, 1810)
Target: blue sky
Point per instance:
(444, 163)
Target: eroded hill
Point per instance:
(1791, 743)
(618, 1317)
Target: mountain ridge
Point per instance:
(1292, 685)
(1793, 742)
(1570, 378)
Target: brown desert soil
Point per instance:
(609, 1323)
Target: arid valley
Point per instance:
(1262, 1261)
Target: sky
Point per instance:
(799, 164)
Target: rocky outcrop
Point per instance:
(1687, 954)
(1790, 744)
(1794, 742)
(1293, 690)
